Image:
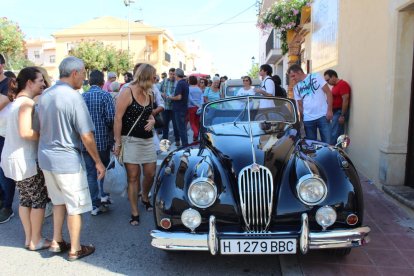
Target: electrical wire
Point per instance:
(221, 23)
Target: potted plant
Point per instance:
(283, 15)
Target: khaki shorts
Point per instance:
(69, 189)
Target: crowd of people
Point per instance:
(55, 148)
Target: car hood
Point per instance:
(231, 143)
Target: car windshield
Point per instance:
(253, 108)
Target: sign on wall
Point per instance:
(324, 50)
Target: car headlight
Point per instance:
(191, 218)
(202, 192)
(325, 216)
(311, 189)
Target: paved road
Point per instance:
(120, 249)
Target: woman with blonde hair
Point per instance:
(133, 133)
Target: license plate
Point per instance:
(258, 246)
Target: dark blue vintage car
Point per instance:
(253, 186)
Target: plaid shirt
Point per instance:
(168, 87)
(102, 110)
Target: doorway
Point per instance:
(409, 167)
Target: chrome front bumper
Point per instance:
(307, 240)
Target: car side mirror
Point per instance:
(343, 141)
(165, 145)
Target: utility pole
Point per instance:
(127, 3)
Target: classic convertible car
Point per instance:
(253, 186)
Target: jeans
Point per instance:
(179, 117)
(311, 129)
(337, 128)
(168, 115)
(95, 186)
(8, 186)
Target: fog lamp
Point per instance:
(191, 219)
(325, 216)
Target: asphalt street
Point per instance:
(120, 249)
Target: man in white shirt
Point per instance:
(314, 99)
(267, 87)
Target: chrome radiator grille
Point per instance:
(256, 197)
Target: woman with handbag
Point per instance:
(133, 135)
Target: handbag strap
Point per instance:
(139, 117)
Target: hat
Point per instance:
(111, 75)
(179, 73)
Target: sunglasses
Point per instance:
(245, 80)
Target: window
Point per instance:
(52, 58)
(36, 54)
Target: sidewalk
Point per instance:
(390, 251)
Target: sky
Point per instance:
(225, 28)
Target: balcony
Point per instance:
(273, 48)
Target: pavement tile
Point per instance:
(310, 269)
(357, 257)
(319, 257)
(393, 271)
(403, 241)
(374, 228)
(387, 258)
(380, 241)
(353, 270)
(409, 256)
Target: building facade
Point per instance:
(370, 45)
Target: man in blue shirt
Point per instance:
(102, 110)
(167, 89)
(180, 105)
(65, 124)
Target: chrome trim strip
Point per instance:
(307, 240)
(304, 234)
(212, 236)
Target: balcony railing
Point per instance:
(273, 47)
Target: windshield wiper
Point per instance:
(241, 114)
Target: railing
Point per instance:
(273, 42)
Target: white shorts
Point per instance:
(69, 189)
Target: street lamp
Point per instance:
(127, 3)
(253, 60)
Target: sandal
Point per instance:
(134, 221)
(61, 246)
(42, 244)
(85, 250)
(147, 205)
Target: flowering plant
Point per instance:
(282, 15)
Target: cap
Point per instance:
(111, 75)
(179, 73)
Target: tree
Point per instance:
(12, 45)
(92, 53)
(117, 60)
(254, 71)
(105, 58)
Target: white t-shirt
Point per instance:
(313, 97)
(244, 92)
(269, 86)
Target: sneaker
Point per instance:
(99, 210)
(49, 209)
(106, 200)
(5, 215)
